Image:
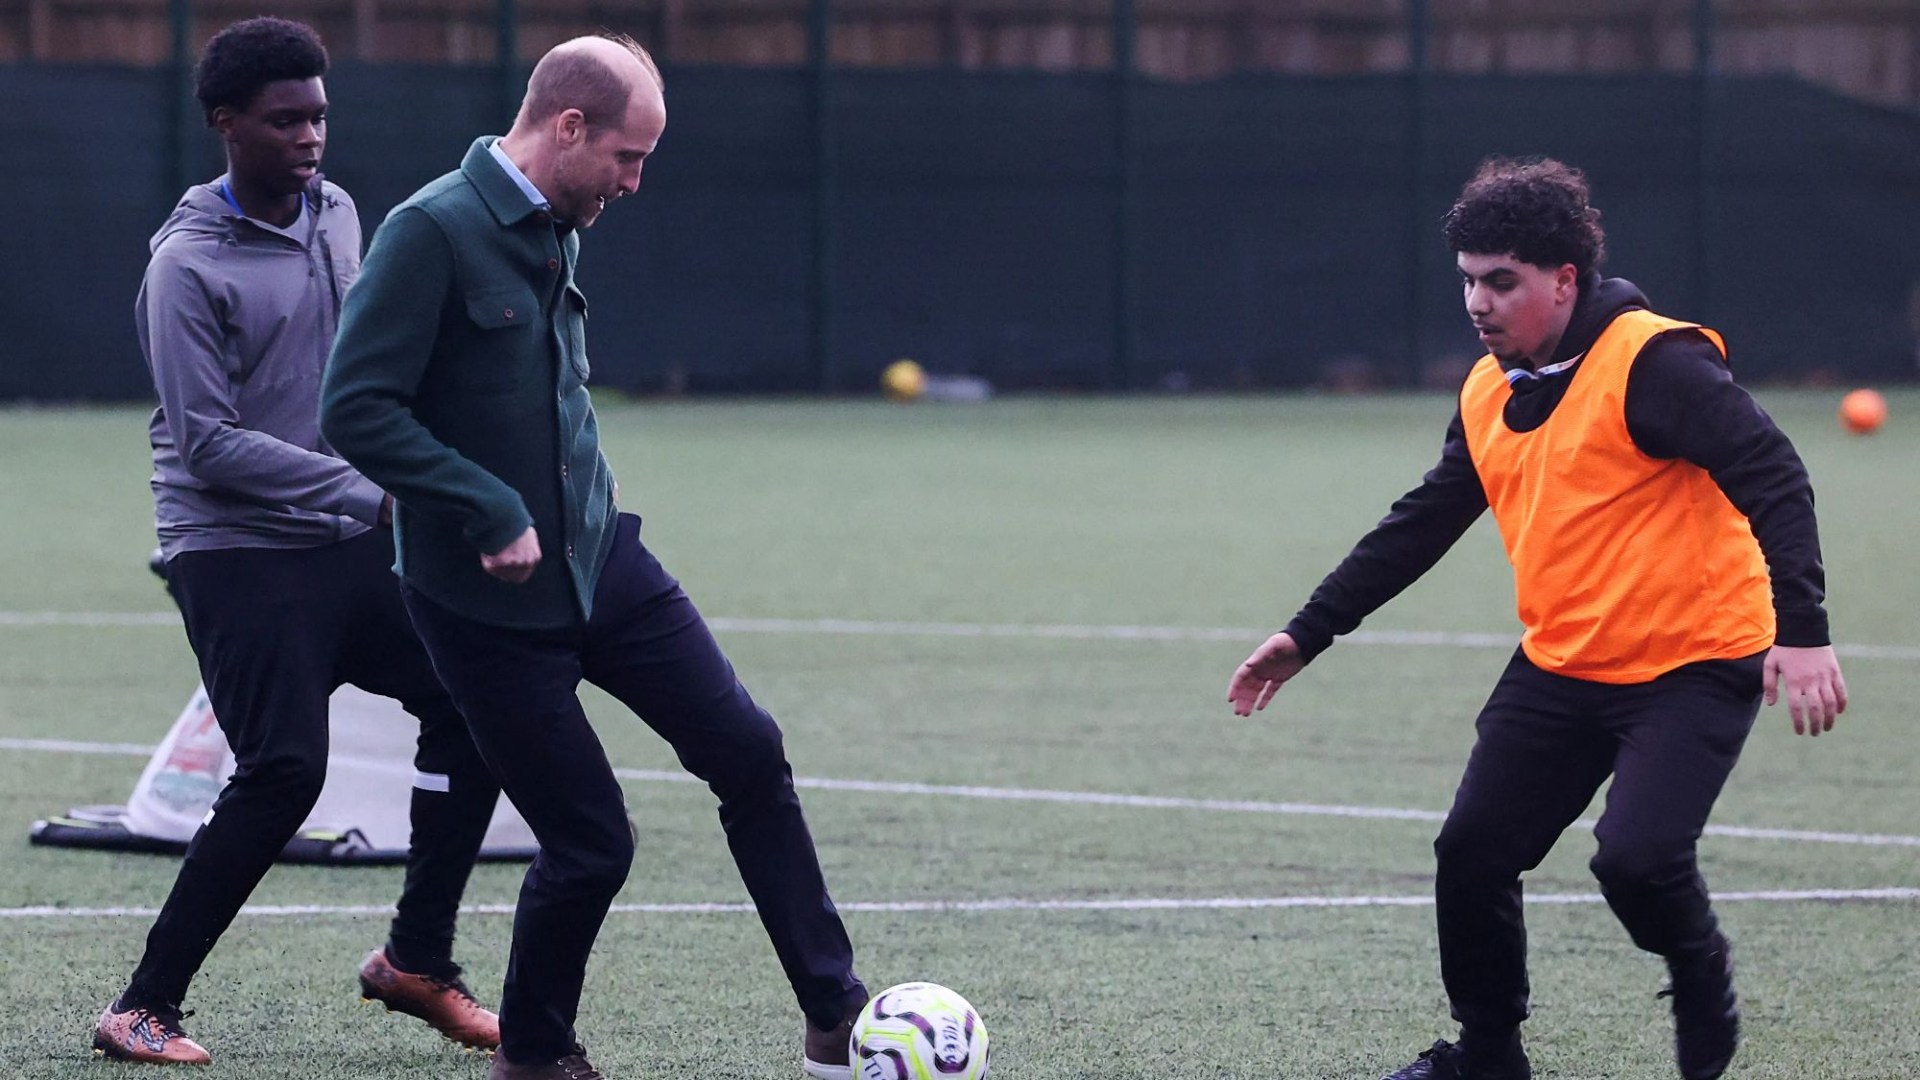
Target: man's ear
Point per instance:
(1566, 281)
(570, 127)
(222, 121)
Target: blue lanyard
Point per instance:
(227, 194)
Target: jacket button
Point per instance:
(509, 313)
(553, 264)
(569, 551)
(563, 470)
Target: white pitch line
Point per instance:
(1083, 798)
(89, 618)
(1249, 806)
(1061, 631)
(1741, 832)
(1095, 632)
(1077, 798)
(895, 907)
(68, 746)
(1241, 806)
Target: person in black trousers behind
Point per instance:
(277, 551)
(1667, 566)
(459, 383)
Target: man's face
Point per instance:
(276, 141)
(1519, 309)
(600, 164)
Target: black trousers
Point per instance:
(276, 631)
(1546, 744)
(647, 646)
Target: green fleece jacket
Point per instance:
(458, 383)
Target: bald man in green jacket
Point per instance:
(458, 383)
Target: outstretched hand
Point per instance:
(1264, 673)
(1810, 678)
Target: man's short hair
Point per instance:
(577, 79)
(242, 59)
(1535, 208)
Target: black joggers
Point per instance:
(647, 646)
(1546, 744)
(276, 631)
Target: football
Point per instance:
(1863, 411)
(904, 380)
(919, 1030)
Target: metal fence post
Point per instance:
(820, 270)
(180, 110)
(1703, 32)
(506, 57)
(1418, 233)
(1126, 195)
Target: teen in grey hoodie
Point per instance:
(235, 319)
(276, 552)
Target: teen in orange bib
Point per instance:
(1667, 566)
(1592, 524)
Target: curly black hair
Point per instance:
(245, 57)
(1534, 208)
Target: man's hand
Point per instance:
(1811, 680)
(514, 563)
(385, 517)
(1265, 672)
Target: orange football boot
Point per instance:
(152, 1036)
(444, 1003)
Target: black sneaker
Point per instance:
(1448, 1061)
(1706, 1016)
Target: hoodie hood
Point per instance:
(203, 211)
(1599, 305)
(1601, 301)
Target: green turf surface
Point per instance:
(1188, 513)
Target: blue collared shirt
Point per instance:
(519, 178)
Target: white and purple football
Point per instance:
(916, 1031)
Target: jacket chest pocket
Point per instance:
(574, 329)
(502, 317)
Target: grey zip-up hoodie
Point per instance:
(235, 321)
